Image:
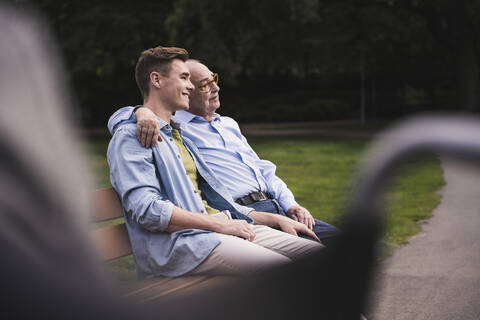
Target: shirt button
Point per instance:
(171, 139)
(202, 211)
(195, 191)
(178, 156)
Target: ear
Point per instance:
(155, 79)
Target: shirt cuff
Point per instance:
(287, 203)
(164, 214)
(245, 210)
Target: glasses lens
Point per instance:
(208, 84)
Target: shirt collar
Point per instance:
(216, 117)
(176, 125)
(183, 117)
(164, 126)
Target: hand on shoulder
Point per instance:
(148, 127)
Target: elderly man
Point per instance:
(180, 218)
(251, 181)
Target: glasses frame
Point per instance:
(207, 85)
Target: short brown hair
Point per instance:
(156, 59)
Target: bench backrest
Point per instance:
(112, 240)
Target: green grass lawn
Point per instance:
(319, 172)
(97, 152)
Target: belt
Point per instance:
(252, 198)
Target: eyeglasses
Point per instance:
(207, 85)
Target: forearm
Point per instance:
(264, 218)
(280, 222)
(183, 219)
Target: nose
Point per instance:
(215, 87)
(190, 85)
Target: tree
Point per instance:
(343, 57)
(456, 26)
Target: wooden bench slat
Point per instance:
(165, 288)
(142, 285)
(212, 282)
(106, 205)
(112, 241)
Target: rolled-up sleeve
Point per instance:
(133, 175)
(242, 209)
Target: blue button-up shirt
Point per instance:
(227, 153)
(150, 182)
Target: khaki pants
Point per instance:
(236, 256)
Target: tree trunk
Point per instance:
(462, 38)
(373, 103)
(362, 87)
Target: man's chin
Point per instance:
(214, 105)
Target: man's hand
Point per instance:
(182, 219)
(300, 214)
(148, 128)
(239, 228)
(293, 227)
(280, 222)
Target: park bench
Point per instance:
(112, 243)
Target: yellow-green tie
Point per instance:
(190, 167)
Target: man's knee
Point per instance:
(285, 244)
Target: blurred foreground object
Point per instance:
(440, 134)
(47, 263)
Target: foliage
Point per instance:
(270, 47)
(101, 42)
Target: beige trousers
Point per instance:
(237, 256)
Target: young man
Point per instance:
(167, 190)
(250, 180)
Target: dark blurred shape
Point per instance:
(48, 267)
(440, 134)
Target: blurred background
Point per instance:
(283, 60)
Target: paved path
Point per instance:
(437, 274)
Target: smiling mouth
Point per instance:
(214, 98)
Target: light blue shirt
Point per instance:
(227, 153)
(150, 181)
